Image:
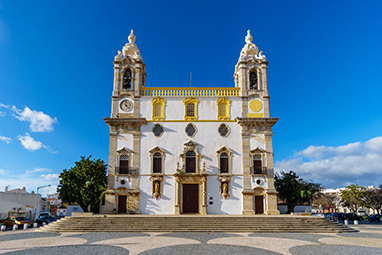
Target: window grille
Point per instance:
(190, 110)
(190, 130)
(157, 110)
(223, 130)
(158, 130)
(223, 110)
(127, 79)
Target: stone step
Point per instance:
(139, 223)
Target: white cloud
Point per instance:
(5, 139)
(29, 143)
(39, 121)
(50, 177)
(340, 166)
(5, 105)
(2, 114)
(31, 179)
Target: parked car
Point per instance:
(48, 217)
(374, 218)
(339, 216)
(19, 221)
(352, 216)
(40, 220)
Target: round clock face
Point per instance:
(126, 105)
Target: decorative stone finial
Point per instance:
(131, 37)
(130, 49)
(248, 38)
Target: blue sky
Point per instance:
(56, 78)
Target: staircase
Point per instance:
(195, 223)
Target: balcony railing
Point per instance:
(259, 170)
(127, 171)
(190, 92)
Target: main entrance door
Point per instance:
(122, 204)
(259, 205)
(190, 198)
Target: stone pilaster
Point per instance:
(110, 192)
(204, 195)
(271, 203)
(247, 191)
(177, 195)
(136, 156)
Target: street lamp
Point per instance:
(35, 205)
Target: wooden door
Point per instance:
(259, 205)
(122, 204)
(190, 198)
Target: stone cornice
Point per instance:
(133, 122)
(264, 124)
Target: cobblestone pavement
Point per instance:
(367, 241)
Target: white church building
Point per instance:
(190, 150)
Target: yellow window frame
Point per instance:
(161, 102)
(195, 102)
(225, 103)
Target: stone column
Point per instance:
(110, 192)
(247, 191)
(242, 79)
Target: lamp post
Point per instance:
(35, 207)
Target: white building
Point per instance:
(191, 150)
(20, 201)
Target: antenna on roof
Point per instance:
(190, 79)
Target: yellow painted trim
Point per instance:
(223, 102)
(162, 102)
(195, 102)
(255, 115)
(191, 92)
(193, 121)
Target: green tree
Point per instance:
(373, 199)
(353, 197)
(293, 190)
(84, 183)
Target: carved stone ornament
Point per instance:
(250, 50)
(118, 57)
(130, 49)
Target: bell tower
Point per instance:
(129, 74)
(251, 76)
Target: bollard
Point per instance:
(3, 227)
(356, 222)
(346, 222)
(15, 227)
(25, 226)
(43, 223)
(35, 225)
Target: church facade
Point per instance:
(190, 150)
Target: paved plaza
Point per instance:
(367, 241)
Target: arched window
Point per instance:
(224, 163)
(124, 164)
(127, 77)
(157, 163)
(257, 164)
(190, 162)
(253, 79)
